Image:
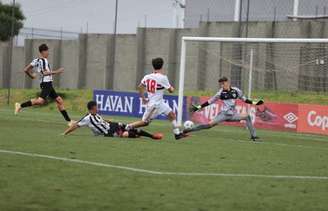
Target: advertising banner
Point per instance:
(275, 116)
(127, 103)
(313, 119)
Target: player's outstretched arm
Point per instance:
(247, 100)
(171, 89)
(195, 108)
(28, 71)
(254, 102)
(71, 129)
(213, 99)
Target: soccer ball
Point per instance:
(188, 124)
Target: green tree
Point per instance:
(6, 20)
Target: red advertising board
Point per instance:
(313, 119)
(274, 116)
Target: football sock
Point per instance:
(176, 129)
(26, 104)
(65, 115)
(250, 126)
(144, 133)
(174, 123)
(128, 127)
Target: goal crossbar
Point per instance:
(186, 39)
(256, 40)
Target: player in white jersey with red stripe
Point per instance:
(155, 85)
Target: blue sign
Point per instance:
(129, 103)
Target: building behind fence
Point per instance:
(88, 61)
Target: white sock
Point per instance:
(128, 127)
(176, 129)
(174, 123)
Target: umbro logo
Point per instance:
(290, 117)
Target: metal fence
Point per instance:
(39, 33)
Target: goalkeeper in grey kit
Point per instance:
(228, 95)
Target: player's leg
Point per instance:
(176, 130)
(61, 108)
(60, 104)
(137, 124)
(171, 116)
(150, 113)
(221, 117)
(238, 117)
(33, 102)
(133, 133)
(29, 103)
(136, 133)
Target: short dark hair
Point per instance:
(157, 63)
(223, 79)
(43, 47)
(91, 104)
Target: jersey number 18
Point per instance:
(151, 85)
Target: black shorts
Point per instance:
(47, 90)
(116, 129)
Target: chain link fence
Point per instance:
(39, 33)
(252, 10)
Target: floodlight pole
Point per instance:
(295, 9)
(237, 10)
(11, 48)
(247, 18)
(110, 69)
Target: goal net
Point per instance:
(279, 64)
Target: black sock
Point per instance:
(144, 133)
(65, 115)
(26, 104)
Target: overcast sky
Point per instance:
(73, 15)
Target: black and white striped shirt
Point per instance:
(41, 65)
(96, 123)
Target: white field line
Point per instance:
(280, 144)
(151, 172)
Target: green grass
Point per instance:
(31, 183)
(76, 99)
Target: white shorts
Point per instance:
(152, 111)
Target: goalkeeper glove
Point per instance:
(195, 108)
(254, 102)
(258, 102)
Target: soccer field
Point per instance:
(217, 169)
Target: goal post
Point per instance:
(249, 41)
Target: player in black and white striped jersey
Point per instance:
(42, 67)
(101, 127)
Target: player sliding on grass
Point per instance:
(106, 128)
(155, 84)
(41, 65)
(228, 95)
